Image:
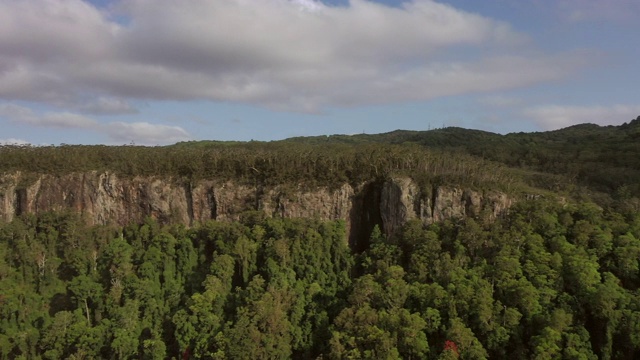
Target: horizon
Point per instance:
(20, 144)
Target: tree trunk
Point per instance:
(86, 307)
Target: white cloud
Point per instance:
(291, 55)
(25, 116)
(142, 133)
(552, 117)
(309, 5)
(12, 141)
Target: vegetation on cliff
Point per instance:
(602, 161)
(257, 163)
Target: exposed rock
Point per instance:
(402, 201)
(397, 203)
(497, 203)
(321, 203)
(8, 196)
(105, 198)
(230, 200)
(473, 203)
(203, 205)
(448, 203)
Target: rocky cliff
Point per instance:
(105, 198)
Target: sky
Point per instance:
(157, 72)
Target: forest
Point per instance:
(548, 281)
(556, 277)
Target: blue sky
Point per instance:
(156, 72)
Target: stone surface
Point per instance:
(106, 198)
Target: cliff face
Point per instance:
(105, 198)
(401, 200)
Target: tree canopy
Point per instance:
(546, 281)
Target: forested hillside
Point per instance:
(555, 276)
(603, 158)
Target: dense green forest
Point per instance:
(557, 277)
(548, 281)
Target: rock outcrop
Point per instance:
(106, 198)
(401, 201)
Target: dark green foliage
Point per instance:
(547, 281)
(265, 288)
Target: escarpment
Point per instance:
(106, 198)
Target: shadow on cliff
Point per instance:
(365, 215)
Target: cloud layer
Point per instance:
(297, 55)
(118, 132)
